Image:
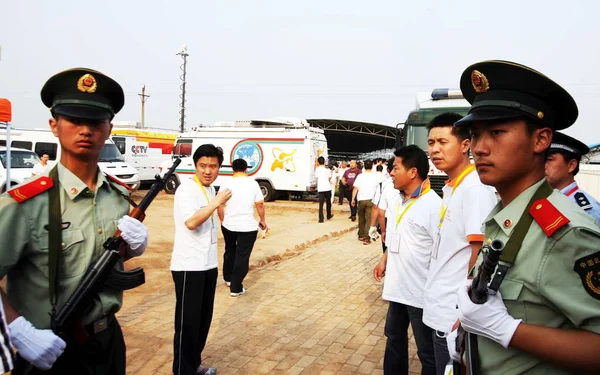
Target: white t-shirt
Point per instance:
(239, 209)
(466, 211)
(367, 183)
(193, 250)
(341, 172)
(323, 176)
(40, 169)
(409, 252)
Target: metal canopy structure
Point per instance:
(352, 137)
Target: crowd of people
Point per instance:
(519, 194)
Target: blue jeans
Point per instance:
(395, 360)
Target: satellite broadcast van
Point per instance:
(145, 149)
(414, 132)
(281, 153)
(44, 142)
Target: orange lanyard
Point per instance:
(212, 216)
(459, 180)
(413, 200)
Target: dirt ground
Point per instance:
(293, 226)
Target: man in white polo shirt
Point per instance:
(466, 204)
(239, 226)
(363, 192)
(406, 261)
(194, 260)
(323, 176)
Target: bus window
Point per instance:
(42, 148)
(183, 147)
(120, 143)
(22, 144)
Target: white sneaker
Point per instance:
(238, 294)
(228, 283)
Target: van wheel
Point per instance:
(171, 185)
(267, 191)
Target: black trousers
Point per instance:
(324, 197)
(236, 260)
(102, 354)
(354, 209)
(195, 291)
(341, 192)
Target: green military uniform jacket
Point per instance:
(547, 285)
(88, 219)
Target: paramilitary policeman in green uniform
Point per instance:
(545, 319)
(90, 206)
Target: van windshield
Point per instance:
(20, 159)
(110, 152)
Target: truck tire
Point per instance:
(267, 191)
(171, 185)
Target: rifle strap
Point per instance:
(54, 238)
(507, 259)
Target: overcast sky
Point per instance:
(337, 59)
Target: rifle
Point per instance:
(480, 289)
(102, 272)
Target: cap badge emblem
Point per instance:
(87, 83)
(479, 81)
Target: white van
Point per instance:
(281, 153)
(21, 166)
(44, 142)
(144, 149)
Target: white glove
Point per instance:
(490, 319)
(41, 347)
(373, 233)
(451, 342)
(135, 233)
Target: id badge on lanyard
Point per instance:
(213, 228)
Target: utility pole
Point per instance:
(183, 53)
(144, 97)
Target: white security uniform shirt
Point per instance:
(193, 250)
(411, 243)
(466, 211)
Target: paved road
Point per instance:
(319, 312)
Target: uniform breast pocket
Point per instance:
(73, 259)
(512, 294)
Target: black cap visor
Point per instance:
(83, 112)
(488, 115)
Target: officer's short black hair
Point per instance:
(208, 150)
(239, 165)
(379, 168)
(368, 164)
(448, 119)
(413, 157)
(390, 164)
(321, 160)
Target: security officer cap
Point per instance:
(84, 94)
(562, 142)
(504, 90)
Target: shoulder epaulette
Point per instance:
(31, 189)
(549, 218)
(582, 201)
(117, 181)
